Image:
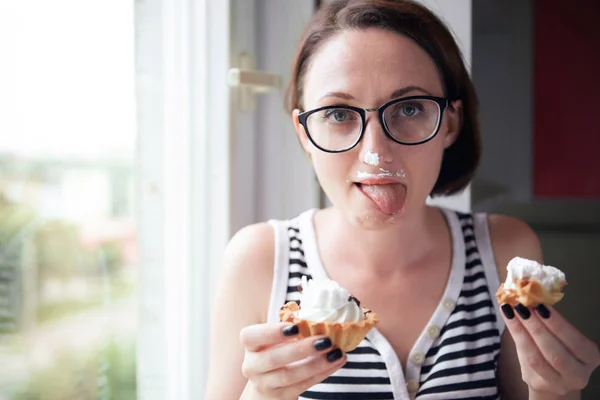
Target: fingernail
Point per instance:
(290, 330)
(508, 311)
(543, 311)
(323, 344)
(523, 311)
(334, 355)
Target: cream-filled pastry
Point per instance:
(531, 284)
(328, 309)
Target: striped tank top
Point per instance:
(456, 355)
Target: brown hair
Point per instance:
(415, 21)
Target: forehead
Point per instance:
(369, 65)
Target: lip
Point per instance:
(384, 180)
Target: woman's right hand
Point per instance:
(280, 366)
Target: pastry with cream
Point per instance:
(531, 284)
(328, 309)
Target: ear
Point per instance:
(454, 120)
(302, 137)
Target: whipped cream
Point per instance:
(371, 158)
(520, 268)
(384, 174)
(325, 300)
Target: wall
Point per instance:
(569, 230)
(502, 71)
(566, 86)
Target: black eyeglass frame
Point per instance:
(442, 103)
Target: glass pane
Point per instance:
(68, 294)
(412, 121)
(335, 128)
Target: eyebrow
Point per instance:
(398, 93)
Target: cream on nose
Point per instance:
(371, 158)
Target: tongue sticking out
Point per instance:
(388, 198)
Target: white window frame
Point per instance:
(183, 187)
(201, 172)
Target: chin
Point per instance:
(373, 219)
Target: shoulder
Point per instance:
(244, 285)
(511, 237)
(252, 243)
(247, 268)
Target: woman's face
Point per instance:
(379, 180)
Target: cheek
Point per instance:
(423, 163)
(331, 169)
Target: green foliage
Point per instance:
(105, 373)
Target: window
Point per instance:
(115, 185)
(68, 241)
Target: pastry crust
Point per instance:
(344, 335)
(529, 293)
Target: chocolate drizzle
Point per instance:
(354, 299)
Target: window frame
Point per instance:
(183, 187)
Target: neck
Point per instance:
(400, 245)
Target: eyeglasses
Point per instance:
(408, 120)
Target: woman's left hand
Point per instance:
(555, 357)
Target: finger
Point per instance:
(580, 346)
(281, 355)
(260, 336)
(531, 360)
(554, 352)
(300, 377)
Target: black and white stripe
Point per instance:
(462, 361)
(364, 376)
(297, 268)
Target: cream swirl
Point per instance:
(520, 268)
(325, 300)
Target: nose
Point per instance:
(375, 140)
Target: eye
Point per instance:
(409, 110)
(338, 115)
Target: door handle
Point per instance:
(250, 82)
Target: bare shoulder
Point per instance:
(256, 241)
(248, 263)
(510, 238)
(241, 299)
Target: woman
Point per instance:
(385, 109)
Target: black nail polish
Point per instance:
(323, 344)
(523, 311)
(290, 330)
(334, 355)
(543, 311)
(508, 311)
